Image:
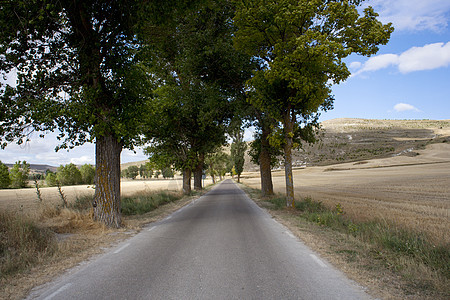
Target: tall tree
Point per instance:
(262, 152)
(301, 46)
(238, 148)
(77, 71)
(199, 74)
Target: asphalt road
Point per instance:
(221, 246)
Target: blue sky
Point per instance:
(409, 78)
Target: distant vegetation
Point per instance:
(20, 174)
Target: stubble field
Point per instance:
(408, 190)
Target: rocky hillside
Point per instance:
(346, 140)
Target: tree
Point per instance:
(68, 175)
(131, 172)
(199, 73)
(78, 71)
(19, 174)
(217, 164)
(301, 46)
(5, 181)
(167, 172)
(238, 148)
(145, 170)
(50, 179)
(87, 174)
(264, 154)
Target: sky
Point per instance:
(409, 78)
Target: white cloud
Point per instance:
(399, 107)
(413, 15)
(132, 156)
(428, 57)
(85, 159)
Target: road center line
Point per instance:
(318, 261)
(121, 248)
(58, 291)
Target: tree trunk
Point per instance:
(264, 165)
(198, 173)
(186, 181)
(289, 132)
(107, 181)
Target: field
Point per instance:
(409, 187)
(26, 199)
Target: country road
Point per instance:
(221, 246)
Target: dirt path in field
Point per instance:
(413, 192)
(26, 199)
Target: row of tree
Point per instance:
(19, 175)
(146, 171)
(71, 175)
(176, 76)
(216, 164)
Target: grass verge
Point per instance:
(417, 267)
(145, 202)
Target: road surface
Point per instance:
(221, 246)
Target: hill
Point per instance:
(352, 140)
(37, 168)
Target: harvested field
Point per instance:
(26, 200)
(412, 192)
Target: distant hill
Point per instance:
(135, 163)
(347, 140)
(36, 168)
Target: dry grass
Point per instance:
(392, 262)
(66, 236)
(397, 206)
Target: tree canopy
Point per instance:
(199, 74)
(78, 71)
(300, 46)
